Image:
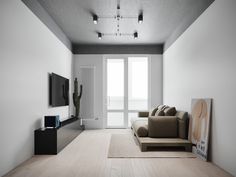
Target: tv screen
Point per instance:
(59, 90)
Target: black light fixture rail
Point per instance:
(118, 17)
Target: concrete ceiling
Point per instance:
(161, 19)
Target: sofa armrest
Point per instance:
(143, 114)
(162, 127)
(141, 128)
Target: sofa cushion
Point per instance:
(159, 113)
(141, 127)
(171, 111)
(163, 127)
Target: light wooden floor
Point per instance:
(86, 156)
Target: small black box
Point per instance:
(51, 121)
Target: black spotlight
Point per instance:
(100, 36)
(95, 19)
(140, 18)
(135, 35)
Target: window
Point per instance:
(127, 89)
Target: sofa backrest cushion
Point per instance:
(163, 127)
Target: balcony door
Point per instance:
(126, 89)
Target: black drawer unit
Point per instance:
(53, 140)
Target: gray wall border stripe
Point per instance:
(42, 14)
(117, 49)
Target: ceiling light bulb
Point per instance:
(140, 18)
(95, 19)
(100, 36)
(136, 35)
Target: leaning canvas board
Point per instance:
(200, 126)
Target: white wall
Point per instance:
(202, 64)
(156, 80)
(28, 52)
(97, 61)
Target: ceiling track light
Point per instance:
(95, 19)
(100, 36)
(118, 17)
(135, 35)
(140, 18)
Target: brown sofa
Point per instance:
(161, 131)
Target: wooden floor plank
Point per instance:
(86, 156)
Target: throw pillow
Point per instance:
(160, 107)
(153, 112)
(171, 111)
(159, 113)
(165, 107)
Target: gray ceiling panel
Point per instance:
(161, 18)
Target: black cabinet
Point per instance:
(53, 140)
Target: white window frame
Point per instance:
(125, 110)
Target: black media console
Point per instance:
(53, 140)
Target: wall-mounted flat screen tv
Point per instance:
(59, 90)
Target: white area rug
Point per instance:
(126, 146)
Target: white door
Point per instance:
(126, 89)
